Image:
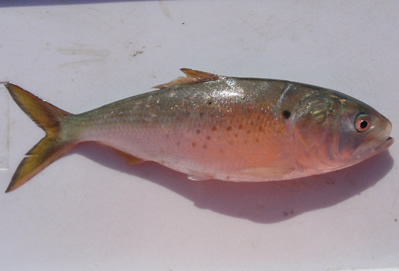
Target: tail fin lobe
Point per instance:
(51, 147)
(40, 156)
(44, 114)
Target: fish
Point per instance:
(211, 126)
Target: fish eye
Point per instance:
(362, 122)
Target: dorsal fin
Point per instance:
(192, 76)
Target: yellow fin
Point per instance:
(129, 159)
(51, 147)
(200, 177)
(267, 172)
(192, 76)
(40, 156)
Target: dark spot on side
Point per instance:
(221, 151)
(229, 128)
(260, 129)
(214, 128)
(198, 131)
(251, 122)
(204, 146)
(201, 114)
(236, 135)
(194, 145)
(208, 138)
(256, 139)
(248, 131)
(285, 213)
(240, 126)
(286, 114)
(209, 102)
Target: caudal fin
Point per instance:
(49, 148)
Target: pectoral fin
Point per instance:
(200, 177)
(197, 178)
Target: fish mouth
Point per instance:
(385, 145)
(363, 154)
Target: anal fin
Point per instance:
(129, 159)
(267, 172)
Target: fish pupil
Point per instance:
(286, 114)
(363, 124)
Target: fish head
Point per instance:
(333, 130)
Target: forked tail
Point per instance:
(49, 148)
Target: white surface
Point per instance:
(89, 211)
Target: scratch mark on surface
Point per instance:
(396, 199)
(165, 10)
(84, 54)
(137, 53)
(82, 62)
(83, 51)
(4, 130)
